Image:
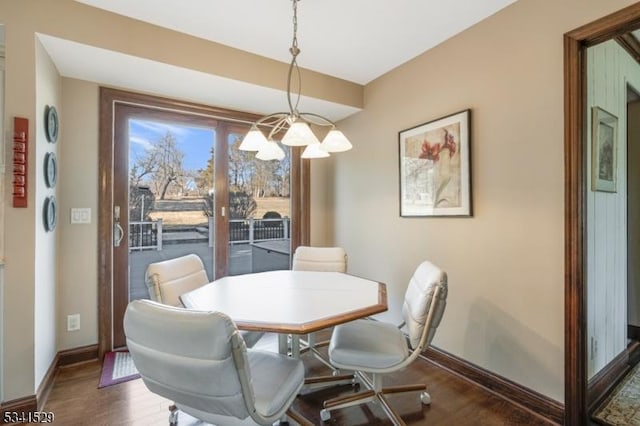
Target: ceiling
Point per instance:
(356, 40)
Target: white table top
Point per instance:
(296, 302)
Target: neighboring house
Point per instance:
(506, 271)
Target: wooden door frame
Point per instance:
(300, 184)
(575, 102)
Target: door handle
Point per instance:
(118, 234)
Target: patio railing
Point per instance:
(148, 235)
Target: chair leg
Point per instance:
(375, 393)
(311, 383)
(298, 418)
(425, 398)
(391, 413)
(345, 401)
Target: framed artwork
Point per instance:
(604, 150)
(435, 169)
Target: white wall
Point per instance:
(609, 70)
(633, 213)
(48, 92)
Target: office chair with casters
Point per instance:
(374, 348)
(198, 360)
(322, 259)
(168, 279)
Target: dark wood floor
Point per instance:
(76, 400)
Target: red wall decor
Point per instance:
(20, 163)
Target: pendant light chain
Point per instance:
(297, 124)
(295, 51)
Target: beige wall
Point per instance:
(505, 264)
(78, 260)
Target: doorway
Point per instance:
(172, 182)
(578, 394)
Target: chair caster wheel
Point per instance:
(325, 415)
(425, 398)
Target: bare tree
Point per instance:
(160, 166)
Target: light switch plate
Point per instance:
(80, 215)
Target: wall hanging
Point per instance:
(435, 169)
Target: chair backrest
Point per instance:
(168, 279)
(424, 303)
(323, 259)
(189, 357)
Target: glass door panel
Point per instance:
(171, 186)
(259, 210)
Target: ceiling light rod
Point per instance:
(296, 123)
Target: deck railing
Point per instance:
(145, 235)
(148, 235)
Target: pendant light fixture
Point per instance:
(295, 123)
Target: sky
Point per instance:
(195, 142)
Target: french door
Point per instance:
(179, 186)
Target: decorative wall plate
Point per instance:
(49, 213)
(50, 169)
(51, 123)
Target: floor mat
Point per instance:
(117, 367)
(622, 407)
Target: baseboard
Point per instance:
(77, 355)
(24, 404)
(62, 359)
(537, 403)
(600, 384)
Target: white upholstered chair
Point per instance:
(168, 279)
(321, 259)
(374, 348)
(199, 360)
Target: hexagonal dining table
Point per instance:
(290, 302)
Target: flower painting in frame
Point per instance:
(604, 148)
(435, 175)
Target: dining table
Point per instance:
(291, 303)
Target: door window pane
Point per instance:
(259, 211)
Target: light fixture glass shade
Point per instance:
(314, 150)
(336, 141)
(253, 140)
(270, 151)
(299, 134)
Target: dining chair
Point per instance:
(198, 360)
(322, 259)
(168, 279)
(373, 348)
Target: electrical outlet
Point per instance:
(73, 322)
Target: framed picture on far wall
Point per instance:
(604, 149)
(435, 169)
